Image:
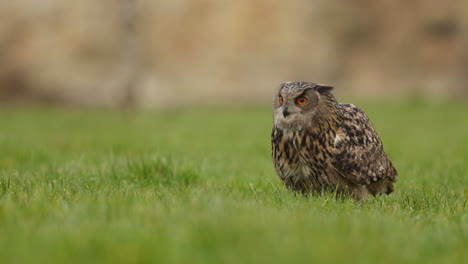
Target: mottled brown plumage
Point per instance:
(319, 144)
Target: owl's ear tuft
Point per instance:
(323, 88)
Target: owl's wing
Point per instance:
(358, 151)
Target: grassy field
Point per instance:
(198, 186)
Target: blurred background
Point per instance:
(144, 53)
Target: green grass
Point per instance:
(198, 186)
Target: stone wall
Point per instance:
(159, 53)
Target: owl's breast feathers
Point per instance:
(358, 153)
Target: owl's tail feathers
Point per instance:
(382, 186)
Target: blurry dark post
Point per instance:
(12, 84)
(130, 53)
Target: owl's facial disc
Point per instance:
(288, 117)
(294, 109)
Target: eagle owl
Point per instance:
(319, 144)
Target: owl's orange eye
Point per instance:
(301, 101)
(280, 100)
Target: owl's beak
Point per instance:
(285, 112)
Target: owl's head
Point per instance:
(297, 103)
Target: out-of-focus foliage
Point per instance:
(154, 53)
